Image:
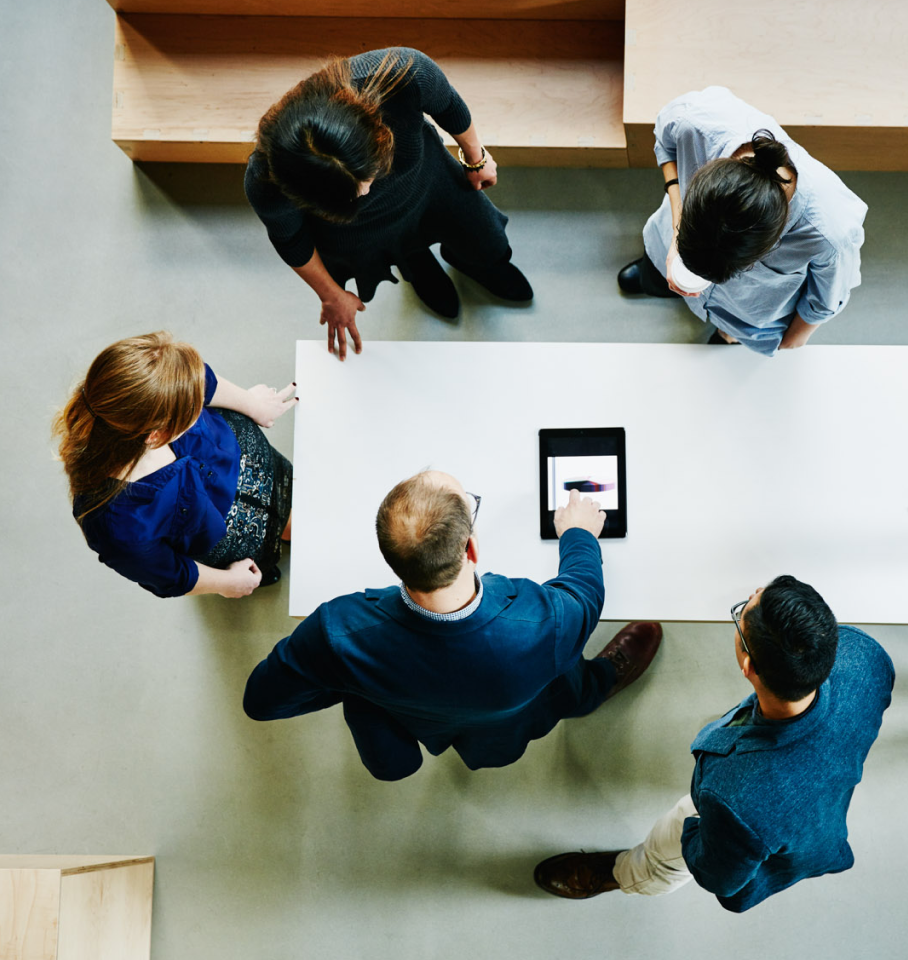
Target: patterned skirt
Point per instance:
(261, 507)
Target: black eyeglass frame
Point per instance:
(736, 611)
(475, 513)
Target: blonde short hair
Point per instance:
(423, 529)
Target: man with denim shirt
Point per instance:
(773, 777)
(448, 658)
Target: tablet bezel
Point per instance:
(616, 525)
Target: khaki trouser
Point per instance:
(656, 866)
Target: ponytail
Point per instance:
(769, 155)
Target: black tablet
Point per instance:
(590, 460)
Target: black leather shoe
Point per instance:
(432, 285)
(629, 278)
(631, 652)
(270, 577)
(577, 876)
(718, 338)
(503, 278)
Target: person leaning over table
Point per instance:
(171, 493)
(773, 778)
(349, 178)
(777, 233)
(448, 658)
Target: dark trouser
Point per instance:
(574, 694)
(387, 750)
(390, 752)
(653, 283)
(593, 681)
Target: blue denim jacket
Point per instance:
(772, 796)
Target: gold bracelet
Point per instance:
(471, 166)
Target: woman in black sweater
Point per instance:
(350, 179)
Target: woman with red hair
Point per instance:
(169, 492)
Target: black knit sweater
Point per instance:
(423, 199)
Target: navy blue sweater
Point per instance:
(486, 685)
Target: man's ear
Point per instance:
(472, 550)
(747, 668)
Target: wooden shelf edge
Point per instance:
(604, 157)
(182, 151)
(867, 148)
(872, 149)
(113, 864)
(432, 9)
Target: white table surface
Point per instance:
(739, 468)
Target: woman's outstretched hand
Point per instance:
(267, 404)
(340, 315)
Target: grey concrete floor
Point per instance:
(120, 714)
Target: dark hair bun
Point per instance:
(769, 155)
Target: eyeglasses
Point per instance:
(737, 612)
(478, 500)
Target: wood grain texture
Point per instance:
(29, 912)
(445, 9)
(212, 152)
(833, 76)
(66, 863)
(204, 82)
(106, 914)
(841, 148)
(75, 907)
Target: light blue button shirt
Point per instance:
(817, 262)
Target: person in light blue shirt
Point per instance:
(777, 233)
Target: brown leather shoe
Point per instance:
(577, 876)
(631, 652)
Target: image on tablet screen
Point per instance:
(595, 477)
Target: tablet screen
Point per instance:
(596, 476)
(589, 460)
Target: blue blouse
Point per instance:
(150, 531)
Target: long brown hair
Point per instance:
(133, 387)
(326, 136)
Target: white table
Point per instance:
(739, 468)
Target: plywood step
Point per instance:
(833, 74)
(542, 92)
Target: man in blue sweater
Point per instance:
(773, 778)
(448, 658)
